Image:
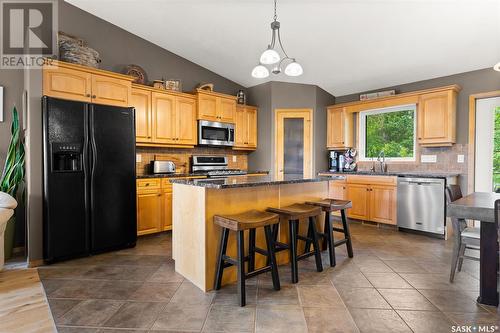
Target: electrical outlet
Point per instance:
(460, 158)
(138, 158)
(428, 158)
(234, 158)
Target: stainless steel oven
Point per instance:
(211, 133)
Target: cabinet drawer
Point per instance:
(145, 184)
(375, 180)
(166, 184)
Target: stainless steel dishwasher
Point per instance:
(421, 205)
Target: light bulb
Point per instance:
(269, 57)
(260, 72)
(497, 67)
(294, 69)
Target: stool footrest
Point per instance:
(304, 238)
(339, 242)
(305, 255)
(258, 271)
(230, 261)
(280, 246)
(339, 230)
(261, 251)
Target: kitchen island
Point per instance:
(195, 238)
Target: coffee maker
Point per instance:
(336, 161)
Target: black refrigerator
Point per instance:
(89, 192)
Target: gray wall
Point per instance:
(119, 48)
(471, 82)
(277, 95)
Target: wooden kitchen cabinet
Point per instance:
(185, 121)
(214, 106)
(166, 223)
(337, 189)
(245, 128)
(359, 196)
(437, 118)
(149, 211)
(374, 198)
(85, 84)
(141, 100)
(164, 119)
(339, 128)
(383, 204)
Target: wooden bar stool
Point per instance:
(293, 214)
(329, 206)
(250, 220)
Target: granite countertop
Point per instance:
(416, 174)
(243, 181)
(197, 174)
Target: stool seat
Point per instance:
(247, 220)
(296, 211)
(331, 204)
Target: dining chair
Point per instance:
(465, 238)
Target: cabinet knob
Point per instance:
(88, 95)
(147, 184)
(94, 96)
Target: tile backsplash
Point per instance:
(181, 157)
(445, 161)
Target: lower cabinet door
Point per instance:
(383, 204)
(359, 195)
(337, 190)
(167, 211)
(149, 212)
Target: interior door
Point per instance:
(486, 172)
(293, 143)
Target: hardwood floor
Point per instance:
(23, 305)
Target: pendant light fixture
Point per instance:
(271, 57)
(497, 67)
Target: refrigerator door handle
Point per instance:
(86, 164)
(93, 158)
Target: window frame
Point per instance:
(362, 132)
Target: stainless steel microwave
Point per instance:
(211, 133)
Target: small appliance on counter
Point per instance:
(213, 166)
(162, 167)
(342, 161)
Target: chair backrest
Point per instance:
(453, 193)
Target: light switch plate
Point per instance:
(428, 158)
(234, 158)
(460, 158)
(138, 158)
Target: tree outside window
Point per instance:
(496, 151)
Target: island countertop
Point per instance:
(244, 181)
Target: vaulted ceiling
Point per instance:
(344, 46)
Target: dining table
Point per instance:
(480, 206)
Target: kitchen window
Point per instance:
(391, 130)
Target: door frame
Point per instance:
(279, 142)
(471, 165)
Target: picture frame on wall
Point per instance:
(1, 104)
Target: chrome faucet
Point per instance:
(381, 160)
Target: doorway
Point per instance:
(487, 145)
(293, 138)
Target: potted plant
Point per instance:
(13, 176)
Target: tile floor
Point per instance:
(396, 282)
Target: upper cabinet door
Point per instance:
(207, 107)
(110, 91)
(226, 110)
(185, 115)
(67, 84)
(141, 101)
(163, 118)
(241, 127)
(436, 118)
(339, 128)
(252, 127)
